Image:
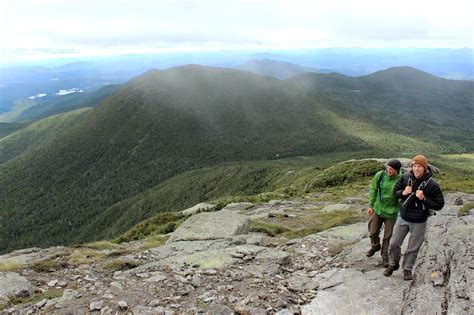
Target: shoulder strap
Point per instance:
(379, 186)
(425, 183)
(380, 179)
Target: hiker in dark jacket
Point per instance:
(418, 193)
(383, 208)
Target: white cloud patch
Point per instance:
(106, 26)
(69, 91)
(39, 95)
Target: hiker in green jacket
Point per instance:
(383, 208)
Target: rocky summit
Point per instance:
(213, 264)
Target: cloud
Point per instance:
(88, 25)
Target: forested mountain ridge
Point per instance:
(164, 123)
(403, 100)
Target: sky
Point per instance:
(42, 29)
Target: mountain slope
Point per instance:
(160, 124)
(37, 134)
(402, 100)
(60, 104)
(164, 123)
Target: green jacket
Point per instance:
(382, 199)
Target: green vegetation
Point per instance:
(162, 223)
(82, 256)
(35, 298)
(345, 173)
(101, 245)
(401, 101)
(153, 241)
(326, 221)
(8, 128)
(466, 208)
(37, 134)
(170, 139)
(9, 266)
(271, 229)
(47, 265)
(48, 107)
(457, 172)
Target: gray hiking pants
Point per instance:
(417, 237)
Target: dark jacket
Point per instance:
(414, 210)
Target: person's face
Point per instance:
(391, 171)
(418, 170)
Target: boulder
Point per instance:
(210, 226)
(12, 284)
(350, 291)
(199, 207)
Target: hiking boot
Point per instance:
(390, 269)
(385, 263)
(373, 250)
(407, 275)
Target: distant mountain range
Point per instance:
(275, 69)
(58, 175)
(22, 81)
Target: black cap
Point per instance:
(395, 164)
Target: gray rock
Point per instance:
(4, 302)
(199, 207)
(299, 282)
(458, 201)
(211, 226)
(349, 291)
(96, 306)
(41, 303)
(12, 283)
(219, 309)
(444, 281)
(146, 310)
(238, 206)
(122, 305)
(337, 207)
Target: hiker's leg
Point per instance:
(417, 237)
(400, 231)
(387, 234)
(375, 224)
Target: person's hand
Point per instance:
(408, 190)
(370, 211)
(420, 195)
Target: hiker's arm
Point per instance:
(373, 191)
(435, 199)
(399, 188)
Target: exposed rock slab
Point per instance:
(12, 284)
(337, 207)
(199, 207)
(350, 291)
(211, 226)
(31, 255)
(443, 276)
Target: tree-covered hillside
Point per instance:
(403, 100)
(165, 123)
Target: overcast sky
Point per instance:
(32, 29)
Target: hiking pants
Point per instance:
(417, 237)
(375, 225)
